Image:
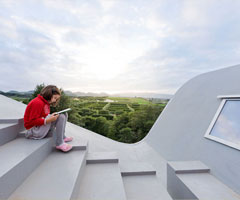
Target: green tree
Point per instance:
(141, 121)
(75, 118)
(26, 101)
(86, 112)
(119, 123)
(105, 112)
(89, 122)
(101, 126)
(37, 90)
(126, 135)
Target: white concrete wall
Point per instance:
(11, 109)
(178, 134)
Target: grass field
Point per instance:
(130, 100)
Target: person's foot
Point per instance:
(68, 139)
(64, 147)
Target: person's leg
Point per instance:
(38, 132)
(65, 138)
(52, 129)
(66, 118)
(60, 129)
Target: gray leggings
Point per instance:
(39, 132)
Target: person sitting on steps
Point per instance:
(40, 123)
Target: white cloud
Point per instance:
(107, 4)
(115, 45)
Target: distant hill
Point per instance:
(144, 95)
(16, 93)
(70, 93)
(92, 94)
(133, 94)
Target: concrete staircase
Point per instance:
(34, 169)
(107, 178)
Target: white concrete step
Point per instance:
(10, 120)
(58, 177)
(145, 187)
(5, 125)
(192, 180)
(207, 187)
(8, 132)
(136, 168)
(18, 159)
(189, 167)
(102, 182)
(102, 157)
(78, 144)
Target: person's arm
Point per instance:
(52, 118)
(35, 118)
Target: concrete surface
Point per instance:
(102, 181)
(183, 167)
(18, 159)
(144, 188)
(8, 132)
(102, 157)
(137, 168)
(55, 178)
(205, 186)
(11, 109)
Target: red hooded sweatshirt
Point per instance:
(36, 112)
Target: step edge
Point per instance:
(104, 160)
(138, 173)
(80, 175)
(192, 171)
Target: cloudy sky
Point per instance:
(115, 45)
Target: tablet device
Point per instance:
(65, 110)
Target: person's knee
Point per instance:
(66, 115)
(61, 117)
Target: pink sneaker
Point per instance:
(64, 147)
(68, 139)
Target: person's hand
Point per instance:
(52, 118)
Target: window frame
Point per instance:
(208, 135)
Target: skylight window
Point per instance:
(225, 127)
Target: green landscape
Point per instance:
(122, 119)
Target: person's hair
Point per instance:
(49, 91)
